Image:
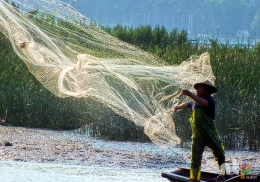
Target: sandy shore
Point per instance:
(71, 147)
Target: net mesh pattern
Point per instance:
(72, 57)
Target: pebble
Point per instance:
(72, 147)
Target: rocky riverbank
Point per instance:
(72, 147)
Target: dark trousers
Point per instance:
(198, 145)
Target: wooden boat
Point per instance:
(182, 175)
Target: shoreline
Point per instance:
(72, 148)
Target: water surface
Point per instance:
(41, 172)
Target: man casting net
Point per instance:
(72, 57)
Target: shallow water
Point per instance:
(69, 156)
(41, 172)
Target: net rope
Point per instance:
(72, 57)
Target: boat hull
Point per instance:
(182, 175)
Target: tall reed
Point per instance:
(236, 68)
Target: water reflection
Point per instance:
(29, 172)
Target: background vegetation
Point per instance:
(210, 17)
(236, 67)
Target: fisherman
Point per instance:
(204, 132)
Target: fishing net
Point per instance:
(73, 57)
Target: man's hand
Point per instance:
(186, 92)
(174, 109)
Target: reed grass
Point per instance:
(236, 68)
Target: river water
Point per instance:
(11, 171)
(41, 155)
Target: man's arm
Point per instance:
(180, 106)
(197, 99)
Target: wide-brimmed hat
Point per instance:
(212, 89)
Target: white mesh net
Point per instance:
(71, 56)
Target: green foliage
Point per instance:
(256, 50)
(172, 47)
(236, 68)
(237, 71)
(26, 101)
